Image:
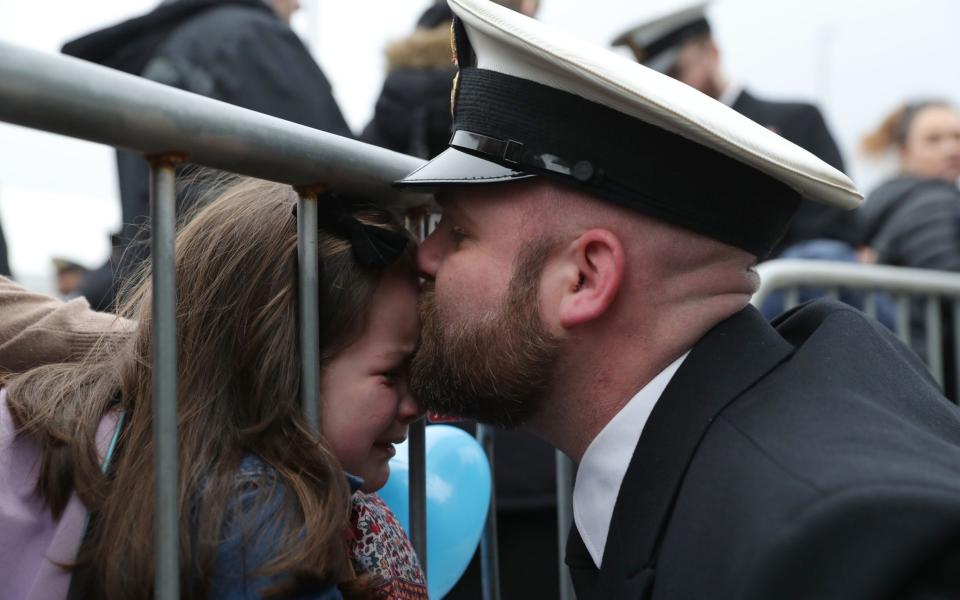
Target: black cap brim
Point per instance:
(455, 167)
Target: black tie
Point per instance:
(583, 571)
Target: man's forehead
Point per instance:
(488, 198)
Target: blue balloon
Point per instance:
(458, 498)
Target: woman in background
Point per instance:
(913, 219)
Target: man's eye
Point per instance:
(458, 233)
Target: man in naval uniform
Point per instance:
(589, 281)
(681, 44)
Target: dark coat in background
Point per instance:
(412, 114)
(804, 125)
(237, 51)
(813, 460)
(913, 222)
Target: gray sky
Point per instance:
(856, 58)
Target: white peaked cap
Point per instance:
(544, 70)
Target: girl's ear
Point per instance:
(596, 263)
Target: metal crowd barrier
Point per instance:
(906, 287)
(167, 126)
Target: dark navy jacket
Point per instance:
(814, 458)
(250, 540)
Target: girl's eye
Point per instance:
(391, 377)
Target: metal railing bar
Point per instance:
(791, 298)
(309, 306)
(164, 297)
(784, 273)
(833, 293)
(902, 319)
(870, 304)
(489, 554)
(565, 477)
(417, 221)
(933, 338)
(418, 491)
(79, 99)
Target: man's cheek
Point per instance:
(468, 289)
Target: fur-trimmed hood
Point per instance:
(423, 49)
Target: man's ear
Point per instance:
(597, 258)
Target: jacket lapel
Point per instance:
(729, 359)
(582, 570)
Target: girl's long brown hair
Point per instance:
(238, 395)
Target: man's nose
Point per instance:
(429, 255)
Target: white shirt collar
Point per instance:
(731, 94)
(605, 463)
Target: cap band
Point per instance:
(531, 127)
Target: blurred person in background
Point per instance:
(412, 113)
(239, 51)
(913, 219)
(681, 44)
(101, 285)
(70, 276)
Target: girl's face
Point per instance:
(365, 401)
(932, 148)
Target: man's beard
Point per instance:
(495, 369)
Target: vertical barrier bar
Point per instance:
(564, 521)
(489, 554)
(833, 293)
(309, 303)
(418, 492)
(870, 304)
(419, 224)
(933, 332)
(166, 515)
(791, 298)
(956, 349)
(902, 321)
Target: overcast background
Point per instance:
(856, 58)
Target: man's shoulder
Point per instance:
(813, 464)
(851, 406)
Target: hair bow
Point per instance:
(373, 246)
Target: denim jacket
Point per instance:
(250, 541)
